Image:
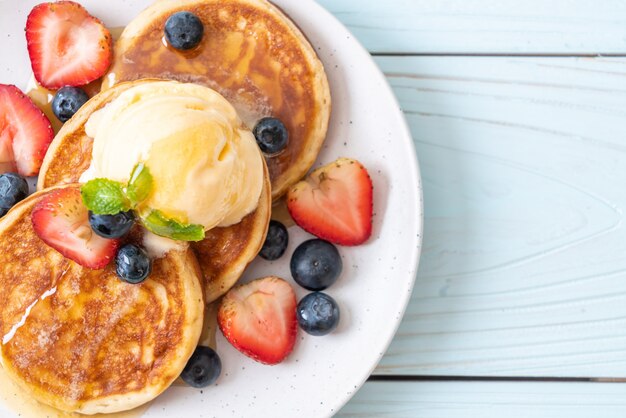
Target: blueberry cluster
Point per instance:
(132, 263)
(315, 265)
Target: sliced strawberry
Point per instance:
(7, 160)
(25, 132)
(334, 203)
(259, 319)
(61, 220)
(67, 46)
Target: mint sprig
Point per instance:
(104, 197)
(157, 223)
(139, 185)
(108, 197)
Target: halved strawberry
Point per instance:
(67, 46)
(259, 319)
(334, 203)
(25, 132)
(61, 220)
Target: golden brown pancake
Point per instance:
(254, 56)
(225, 252)
(83, 340)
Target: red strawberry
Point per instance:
(259, 319)
(67, 46)
(25, 132)
(61, 220)
(334, 203)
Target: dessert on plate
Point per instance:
(225, 250)
(156, 193)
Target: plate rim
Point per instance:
(417, 197)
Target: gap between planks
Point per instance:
(497, 54)
(444, 378)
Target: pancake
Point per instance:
(83, 340)
(252, 54)
(224, 253)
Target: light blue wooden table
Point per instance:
(518, 112)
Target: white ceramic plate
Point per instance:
(367, 124)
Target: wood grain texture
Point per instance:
(487, 400)
(523, 269)
(485, 26)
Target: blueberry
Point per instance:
(203, 368)
(318, 314)
(67, 101)
(111, 226)
(132, 264)
(316, 264)
(183, 30)
(13, 188)
(275, 242)
(271, 135)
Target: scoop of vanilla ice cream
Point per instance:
(206, 166)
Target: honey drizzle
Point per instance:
(281, 214)
(116, 32)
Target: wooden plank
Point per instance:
(523, 270)
(485, 26)
(487, 400)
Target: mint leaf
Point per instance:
(139, 185)
(104, 197)
(156, 222)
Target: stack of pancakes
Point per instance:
(82, 340)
